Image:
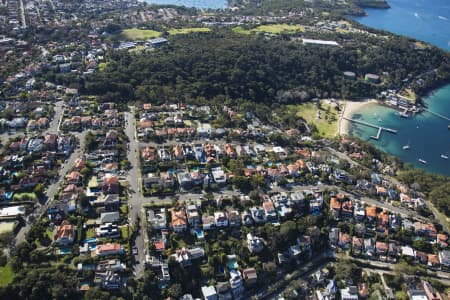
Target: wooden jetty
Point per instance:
(380, 128)
(437, 115)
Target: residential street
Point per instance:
(135, 199)
(53, 188)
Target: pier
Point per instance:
(404, 114)
(380, 129)
(437, 115)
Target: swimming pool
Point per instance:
(90, 240)
(63, 251)
(200, 234)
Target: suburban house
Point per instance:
(64, 234)
(220, 219)
(157, 218)
(109, 249)
(179, 221)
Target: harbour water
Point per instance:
(426, 20)
(427, 135)
(213, 4)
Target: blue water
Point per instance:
(213, 4)
(64, 251)
(427, 20)
(200, 234)
(427, 135)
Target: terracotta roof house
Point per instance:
(344, 240)
(179, 220)
(144, 124)
(335, 207)
(347, 209)
(50, 141)
(433, 261)
(110, 184)
(381, 248)
(442, 240)
(422, 257)
(80, 163)
(371, 213)
(75, 120)
(74, 178)
(109, 249)
(64, 234)
(357, 244)
(42, 122)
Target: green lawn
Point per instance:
(327, 125)
(188, 30)
(25, 197)
(139, 34)
(273, 29)
(124, 232)
(241, 30)
(90, 233)
(6, 275)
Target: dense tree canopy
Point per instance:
(223, 65)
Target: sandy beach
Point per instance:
(350, 108)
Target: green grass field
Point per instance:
(188, 30)
(327, 125)
(241, 30)
(135, 34)
(6, 275)
(273, 29)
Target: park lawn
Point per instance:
(240, 30)
(308, 111)
(273, 29)
(412, 97)
(139, 34)
(6, 275)
(188, 30)
(280, 28)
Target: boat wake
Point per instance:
(442, 18)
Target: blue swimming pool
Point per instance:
(200, 234)
(9, 195)
(64, 251)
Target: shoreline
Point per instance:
(350, 108)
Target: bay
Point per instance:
(427, 135)
(426, 20)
